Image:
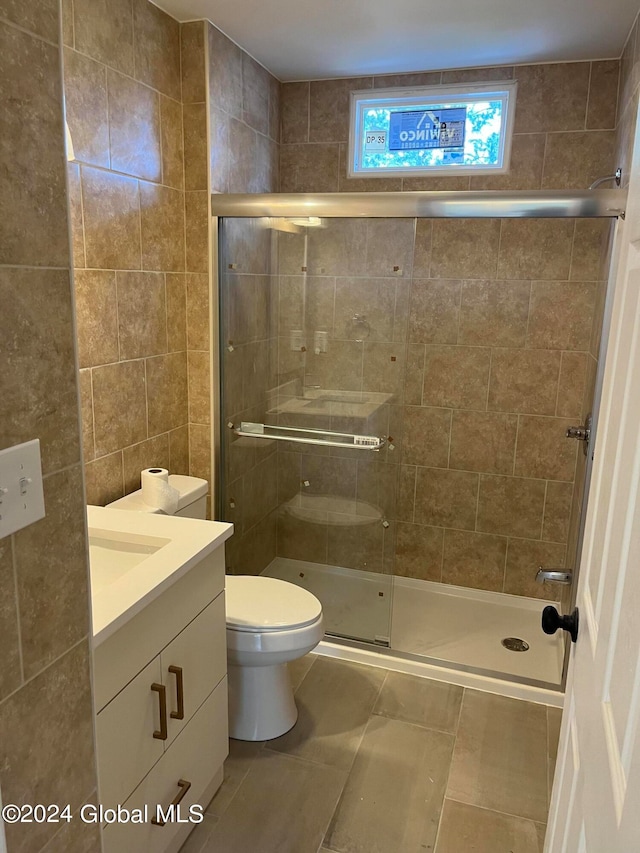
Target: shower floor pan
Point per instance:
(440, 621)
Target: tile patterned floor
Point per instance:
(381, 762)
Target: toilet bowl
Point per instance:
(269, 623)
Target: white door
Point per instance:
(595, 805)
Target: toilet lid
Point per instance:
(267, 604)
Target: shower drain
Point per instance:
(515, 644)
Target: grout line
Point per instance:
(446, 785)
(495, 811)
(140, 223)
(515, 446)
(548, 759)
(573, 247)
(558, 385)
(444, 533)
(107, 88)
(486, 402)
(133, 39)
(506, 562)
(526, 334)
(146, 402)
(47, 666)
(84, 230)
(93, 417)
(233, 796)
(14, 26)
(107, 170)
(166, 314)
(17, 603)
(544, 158)
(461, 285)
(544, 508)
(120, 359)
(586, 109)
(475, 525)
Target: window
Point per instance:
(444, 129)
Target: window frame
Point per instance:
(505, 90)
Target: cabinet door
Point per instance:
(193, 664)
(127, 749)
(196, 756)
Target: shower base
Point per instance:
(440, 622)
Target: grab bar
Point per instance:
(324, 438)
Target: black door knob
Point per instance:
(552, 620)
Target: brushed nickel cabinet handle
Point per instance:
(184, 787)
(179, 714)
(161, 690)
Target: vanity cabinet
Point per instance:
(161, 690)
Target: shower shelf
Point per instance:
(325, 438)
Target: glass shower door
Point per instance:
(311, 367)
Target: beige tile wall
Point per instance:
(487, 343)
(231, 144)
(629, 95)
(45, 688)
(122, 75)
(479, 333)
(244, 115)
(564, 132)
(196, 342)
(142, 94)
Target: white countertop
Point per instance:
(148, 553)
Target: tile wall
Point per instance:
(473, 355)
(132, 262)
(485, 337)
(141, 92)
(627, 112)
(244, 114)
(196, 185)
(45, 688)
(564, 131)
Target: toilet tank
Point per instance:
(192, 502)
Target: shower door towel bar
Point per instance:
(324, 438)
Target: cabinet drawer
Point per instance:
(127, 749)
(198, 658)
(196, 755)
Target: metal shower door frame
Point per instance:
(538, 204)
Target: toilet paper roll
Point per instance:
(156, 491)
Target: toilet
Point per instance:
(269, 623)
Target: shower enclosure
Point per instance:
(399, 371)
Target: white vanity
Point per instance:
(159, 669)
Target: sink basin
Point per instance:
(135, 556)
(112, 555)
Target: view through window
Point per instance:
(442, 128)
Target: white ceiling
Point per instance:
(313, 39)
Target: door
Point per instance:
(310, 381)
(595, 804)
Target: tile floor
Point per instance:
(382, 762)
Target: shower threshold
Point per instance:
(440, 622)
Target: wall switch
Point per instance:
(21, 495)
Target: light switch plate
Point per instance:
(21, 495)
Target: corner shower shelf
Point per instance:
(324, 438)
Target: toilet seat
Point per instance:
(258, 604)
